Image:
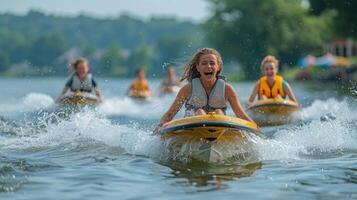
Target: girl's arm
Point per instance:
(254, 93)
(176, 105)
(65, 89)
(290, 93)
(150, 93)
(97, 90)
(98, 93)
(232, 97)
(128, 92)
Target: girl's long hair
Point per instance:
(190, 69)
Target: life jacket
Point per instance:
(139, 86)
(277, 89)
(208, 102)
(85, 85)
(170, 83)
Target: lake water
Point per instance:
(110, 152)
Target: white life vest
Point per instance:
(85, 85)
(208, 102)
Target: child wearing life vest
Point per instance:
(81, 80)
(171, 83)
(140, 86)
(271, 85)
(206, 91)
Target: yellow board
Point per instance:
(208, 132)
(79, 99)
(273, 111)
(139, 95)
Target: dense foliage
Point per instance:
(345, 21)
(243, 31)
(249, 30)
(43, 44)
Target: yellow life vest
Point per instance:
(139, 86)
(277, 89)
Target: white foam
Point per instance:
(36, 101)
(81, 127)
(319, 108)
(295, 142)
(316, 136)
(30, 102)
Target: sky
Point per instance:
(196, 10)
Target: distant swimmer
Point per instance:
(81, 85)
(139, 88)
(271, 85)
(171, 83)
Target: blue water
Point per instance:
(110, 153)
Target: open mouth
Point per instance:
(208, 73)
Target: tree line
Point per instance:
(243, 31)
(41, 44)
(246, 31)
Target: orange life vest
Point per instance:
(271, 92)
(140, 86)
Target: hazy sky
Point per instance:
(196, 10)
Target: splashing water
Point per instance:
(315, 136)
(31, 102)
(85, 125)
(295, 142)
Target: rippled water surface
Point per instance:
(110, 152)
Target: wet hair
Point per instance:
(190, 69)
(73, 65)
(269, 59)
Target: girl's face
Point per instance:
(82, 69)
(208, 66)
(141, 74)
(269, 69)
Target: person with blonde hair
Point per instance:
(271, 85)
(80, 80)
(206, 90)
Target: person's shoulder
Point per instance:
(184, 91)
(186, 86)
(228, 84)
(285, 83)
(145, 81)
(70, 77)
(133, 82)
(229, 87)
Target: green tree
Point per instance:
(112, 61)
(40, 38)
(345, 22)
(46, 49)
(248, 30)
(141, 56)
(175, 49)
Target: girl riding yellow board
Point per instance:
(81, 81)
(271, 85)
(206, 91)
